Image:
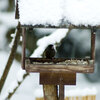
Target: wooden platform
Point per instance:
(59, 65)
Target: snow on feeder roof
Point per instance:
(59, 12)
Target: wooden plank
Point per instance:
(58, 78)
(59, 68)
(59, 65)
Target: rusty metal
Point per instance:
(61, 92)
(93, 44)
(58, 78)
(23, 48)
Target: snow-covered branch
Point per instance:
(10, 59)
(54, 38)
(15, 84)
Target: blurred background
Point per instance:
(76, 44)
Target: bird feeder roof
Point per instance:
(58, 12)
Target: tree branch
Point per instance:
(14, 90)
(11, 58)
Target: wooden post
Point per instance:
(93, 44)
(50, 92)
(50, 82)
(61, 92)
(23, 48)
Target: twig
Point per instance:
(11, 58)
(19, 83)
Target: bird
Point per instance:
(49, 52)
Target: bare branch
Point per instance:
(11, 58)
(14, 90)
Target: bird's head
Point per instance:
(51, 46)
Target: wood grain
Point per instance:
(58, 78)
(50, 92)
(59, 68)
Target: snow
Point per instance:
(83, 12)
(13, 38)
(3, 60)
(82, 92)
(3, 4)
(32, 8)
(21, 38)
(54, 38)
(3, 30)
(7, 18)
(12, 86)
(52, 12)
(12, 73)
(14, 83)
(20, 74)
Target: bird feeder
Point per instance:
(58, 71)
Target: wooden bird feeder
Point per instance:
(57, 71)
